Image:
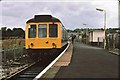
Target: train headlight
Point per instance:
(32, 44)
(54, 45)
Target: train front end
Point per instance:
(43, 32)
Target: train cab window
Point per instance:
(42, 30)
(32, 31)
(53, 30)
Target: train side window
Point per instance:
(53, 30)
(32, 31)
(42, 30)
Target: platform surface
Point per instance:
(90, 62)
(64, 60)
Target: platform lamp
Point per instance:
(104, 25)
(86, 32)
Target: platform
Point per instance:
(86, 62)
(63, 61)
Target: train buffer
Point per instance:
(85, 62)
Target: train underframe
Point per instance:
(44, 54)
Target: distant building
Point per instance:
(96, 37)
(80, 36)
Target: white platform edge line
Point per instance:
(117, 53)
(51, 64)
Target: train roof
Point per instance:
(43, 18)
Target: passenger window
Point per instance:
(42, 30)
(32, 31)
(53, 30)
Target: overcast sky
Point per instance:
(73, 14)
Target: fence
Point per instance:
(12, 49)
(113, 41)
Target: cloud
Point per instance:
(45, 11)
(72, 14)
(111, 9)
(0, 15)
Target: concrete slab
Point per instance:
(115, 51)
(66, 58)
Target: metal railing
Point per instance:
(113, 41)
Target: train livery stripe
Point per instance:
(51, 64)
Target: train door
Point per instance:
(54, 35)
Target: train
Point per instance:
(45, 32)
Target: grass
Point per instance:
(13, 48)
(10, 43)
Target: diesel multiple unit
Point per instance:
(45, 32)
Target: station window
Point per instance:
(32, 31)
(53, 30)
(42, 30)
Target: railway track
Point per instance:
(36, 70)
(28, 73)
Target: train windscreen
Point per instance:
(42, 30)
(53, 30)
(32, 31)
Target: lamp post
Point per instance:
(104, 25)
(86, 31)
(119, 24)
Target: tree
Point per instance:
(15, 32)
(77, 30)
(3, 29)
(68, 30)
(18, 32)
(9, 32)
